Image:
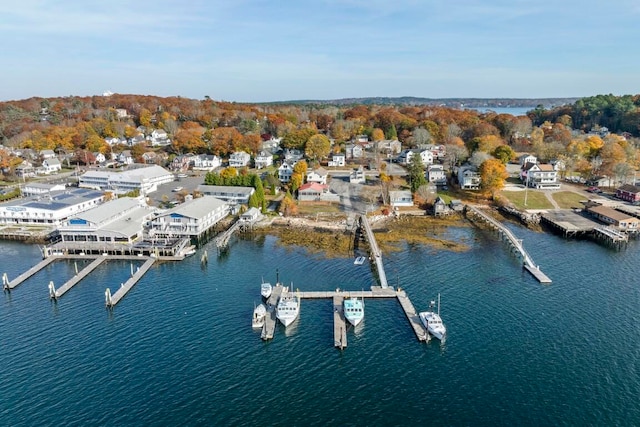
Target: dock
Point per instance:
(57, 293)
(509, 237)
(339, 324)
(269, 327)
(412, 316)
(222, 240)
(9, 285)
(112, 300)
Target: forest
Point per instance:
(594, 136)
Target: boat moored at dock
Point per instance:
(353, 310)
(288, 307)
(259, 316)
(266, 289)
(433, 322)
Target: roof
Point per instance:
(319, 171)
(137, 174)
(110, 210)
(203, 188)
(56, 200)
(312, 186)
(611, 213)
(197, 208)
(629, 188)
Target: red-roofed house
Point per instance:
(311, 192)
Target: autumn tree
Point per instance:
(317, 147)
(188, 139)
(288, 206)
(504, 153)
(493, 174)
(377, 134)
(297, 139)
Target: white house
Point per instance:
(100, 158)
(435, 174)
(468, 178)
(264, 159)
(399, 198)
(125, 157)
(317, 175)
(540, 176)
(37, 188)
(159, 138)
(47, 154)
(527, 158)
(292, 155)
(239, 159)
(354, 151)
(357, 176)
(25, 169)
(206, 162)
(338, 160)
(389, 146)
(284, 172)
(51, 165)
(425, 155)
(144, 179)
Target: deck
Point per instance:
(9, 285)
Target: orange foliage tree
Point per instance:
(493, 173)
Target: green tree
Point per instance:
(317, 147)
(416, 172)
(504, 153)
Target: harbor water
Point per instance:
(179, 348)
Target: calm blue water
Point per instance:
(179, 349)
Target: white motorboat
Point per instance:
(353, 310)
(288, 307)
(433, 322)
(359, 261)
(266, 289)
(259, 316)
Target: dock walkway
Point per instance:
(516, 243)
(339, 324)
(9, 285)
(412, 316)
(78, 277)
(269, 327)
(112, 300)
(376, 255)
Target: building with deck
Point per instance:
(192, 218)
(145, 179)
(230, 194)
(611, 216)
(116, 221)
(50, 209)
(399, 198)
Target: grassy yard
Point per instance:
(568, 199)
(308, 209)
(535, 199)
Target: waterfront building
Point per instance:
(608, 215)
(317, 175)
(540, 176)
(145, 179)
(630, 193)
(120, 220)
(435, 174)
(49, 209)
(190, 219)
(231, 194)
(468, 177)
(40, 188)
(399, 198)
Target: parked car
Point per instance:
(175, 190)
(594, 190)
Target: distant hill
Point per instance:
(444, 102)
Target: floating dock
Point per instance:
(9, 285)
(412, 316)
(269, 327)
(339, 324)
(57, 293)
(112, 300)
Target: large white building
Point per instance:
(146, 179)
(116, 221)
(189, 219)
(231, 194)
(49, 209)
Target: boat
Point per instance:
(266, 289)
(188, 251)
(360, 260)
(433, 322)
(288, 307)
(259, 316)
(353, 310)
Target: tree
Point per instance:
(416, 172)
(317, 147)
(288, 206)
(421, 137)
(385, 184)
(504, 153)
(493, 173)
(298, 138)
(377, 134)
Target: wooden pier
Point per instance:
(9, 285)
(516, 244)
(339, 324)
(112, 300)
(269, 327)
(57, 293)
(222, 241)
(375, 253)
(412, 316)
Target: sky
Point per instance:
(277, 50)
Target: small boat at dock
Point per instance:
(353, 310)
(259, 316)
(433, 322)
(266, 289)
(288, 307)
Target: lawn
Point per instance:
(308, 209)
(535, 199)
(568, 199)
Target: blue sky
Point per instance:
(260, 50)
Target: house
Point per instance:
(389, 146)
(558, 165)
(190, 219)
(468, 178)
(435, 174)
(159, 138)
(362, 139)
(284, 172)
(616, 218)
(47, 154)
(112, 141)
(100, 158)
(182, 162)
(399, 198)
(357, 176)
(37, 188)
(121, 113)
(149, 157)
(271, 145)
(337, 160)
(628, 192)
(540, 176)
(239, 159)
(264, 159)
(354, 151)
(205, 162)
(440, 207)
(25, 169)
(318, 176)
(125, 157)
(456, 205)
(251, 215)
(527, 158)
(232, 195)
(438, 151)
(292, 155)
(51, 165)
(425, 155)
(311, 192)
(138, 139)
